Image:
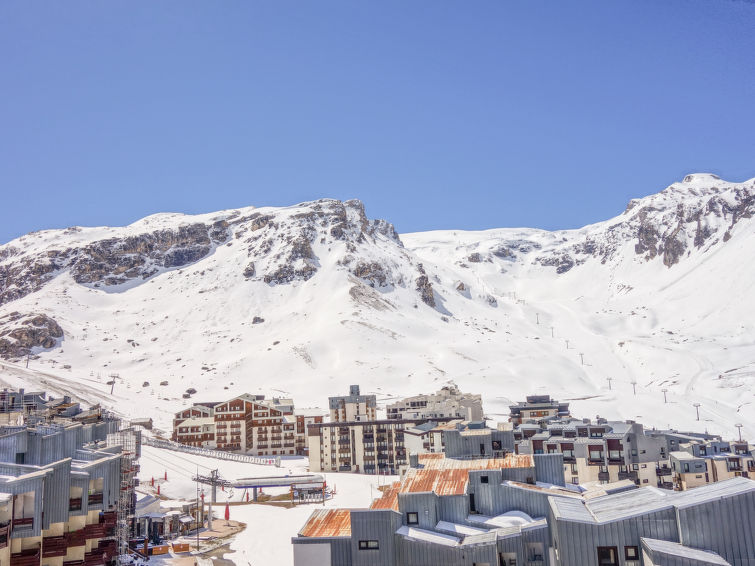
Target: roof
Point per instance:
(440, 482)
(440, 462)
(428, 536)
(328, 523)
(444, 476)
(645, 500)
(664, 547)
(389, 499)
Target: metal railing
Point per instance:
(210, 453)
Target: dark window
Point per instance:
(631, 553)
(483, 479)
(608, 556)
(412, 518)
(368, 545)
(472, 508)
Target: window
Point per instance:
(368, 545)
(636, 467)
(608, 556)
(412, 518)
(631, 553)
(483, 479)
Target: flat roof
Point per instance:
(664, 547)
(645, 500)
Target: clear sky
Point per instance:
(437, 114)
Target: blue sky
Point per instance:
(441, 114)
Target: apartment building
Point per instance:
(448, 402)
(518, 511)
(701, 462)
(369, 447)
(246, 423)
(599, 452)
(538, 408)
(353, 407)
(66, 490)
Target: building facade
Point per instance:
(247, 423)
(353, 407)
(66, 491)
(538, 408)
(369, 447)
(518, 511)
(449, 402)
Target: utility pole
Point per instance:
(537, 317)
(610, 379)
(739, 426)
(567, 344)
(28, 355)
(634, 387)
(697, 409)
(582, 357)
(664, 395)
(552, 335)
(199, 516)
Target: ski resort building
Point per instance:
(518, 511)
(66, 489)
(538, 408)
(353, 407)
(448, 402)
(247, 423)
(369, 447)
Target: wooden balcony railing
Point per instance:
(30, 557)
(54, 546)
(76, 538)
(95, 498)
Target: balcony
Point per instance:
(95, 498)
(29, 557)
(74, 504)
(54, 546)
(595, 461)
(663, 471)
(76, 538)
(23, 523)
(628, 476)
(603, 476)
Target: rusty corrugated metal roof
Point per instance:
(445, 476)
(328, 523)
(439, 462)
(389, 499)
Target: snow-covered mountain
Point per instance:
(305, 300)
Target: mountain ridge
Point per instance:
(318, 293)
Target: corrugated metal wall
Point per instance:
(340, 548)
(725, 526)
(578, 542)
(380, 525)
(549, 468)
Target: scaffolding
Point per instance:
(129, 440)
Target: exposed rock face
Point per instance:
(372, 273)
(19, 333)
(686, 216)
(111, 261)
(282, 248)
(425, 287)
(474, 258)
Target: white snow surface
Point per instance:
(267, 538)
(688, 328)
